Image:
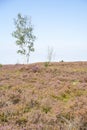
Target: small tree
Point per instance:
(50, 54)
(24, 35)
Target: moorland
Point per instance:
(43, 96)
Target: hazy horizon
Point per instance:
(61, 25)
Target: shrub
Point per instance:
(1, 65)
(62, 61)
(15, 98)
(3, 117)
(46, 64)
(35, 69)
(21, 121)
(46, 109)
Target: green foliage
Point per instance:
(5, 87)
(26, 109)
(62, 61)
(1, 65)
(24, 35)
(65, 97)
(21, 121)
(46, 109)
(46, 64)
(3, 117)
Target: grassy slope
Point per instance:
(43, 97)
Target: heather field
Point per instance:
(43, 96)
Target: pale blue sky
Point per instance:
(60, 24)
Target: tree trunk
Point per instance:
(27, 56)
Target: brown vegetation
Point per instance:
(43, 96)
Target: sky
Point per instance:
(58, 24)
